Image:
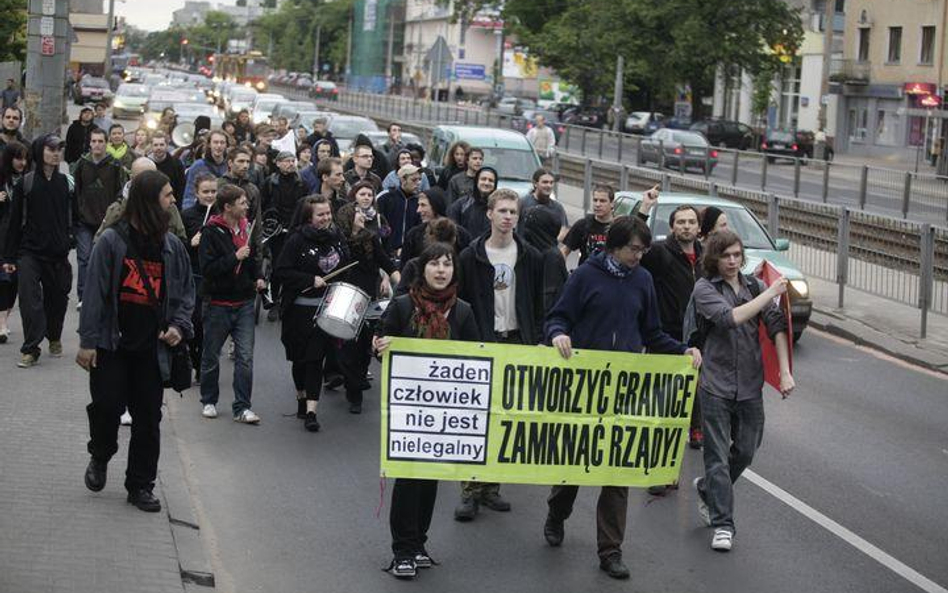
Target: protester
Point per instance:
(194, 219)
(99, 179)
(14, 163)
(101, 119)
(363, 228)
(138, 303)
(215, 162)
(403, 157)
(313, 250)
(393, 144)
(10, 128)
(77, 136)
(168, 165)
(167, 121)
(433, 311)
(542, 197)
(10, 95)
(114, 213)
(399, 205)
(363, 157)
(712, 219)
(231, 280)
(282, 193)
(418, 159)
(37, 248)
(332, 182)
(431, 207)
(304, 155)
(141, 143)
(511, 313)
(539, 228)
(320, 132)
(455, 161)
(733, 305)
(470, 212)
(439, 230)
(588, 235)
(608, 303)
(381, 165)
(117, 148)
(243, 129)
(464, 183)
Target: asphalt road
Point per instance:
(861, 441)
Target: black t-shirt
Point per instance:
(138, 314)
(588, 236)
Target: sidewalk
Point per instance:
(55, 535)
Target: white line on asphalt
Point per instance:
(886, 560)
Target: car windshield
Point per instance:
(511, 163)
(350, 128)
(689, 139)
(739, 220)
(242, 95)
(96, 82)
(780, 136)
(266, 106)
(132, 90)
(196, 109)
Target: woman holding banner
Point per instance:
(430, 310)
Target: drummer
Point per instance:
(313, 250)
(364, 229)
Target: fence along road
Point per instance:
(905, 261)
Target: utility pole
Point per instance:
(45, 66)
(390, 49)
(319, 31)
(829, 15)
(617, 93)
(349, 46)
(108, 42)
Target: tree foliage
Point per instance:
(292, 32)
(666, 43)
(203, 39)
(13, 30)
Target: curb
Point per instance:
(196, 572)
(832, 323)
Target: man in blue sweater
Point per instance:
(608, 303)
(214, 162)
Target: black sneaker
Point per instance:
(144, 500)
(553, 531)
(355, 408)
(614, 567)
(495, 502)
(96, 474)
(334, 381)
(466, 511)
(301, 409)
(310, 423)
(404, 568)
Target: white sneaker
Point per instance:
(703, 510)
(79, 306)
(247, 417)
(210, 411)
(722, 540)
(126, 419)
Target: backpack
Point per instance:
(695, 328)
(28, 187)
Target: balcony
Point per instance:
(847, 71)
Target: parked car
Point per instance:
(130, 101)
(187, 112)
(324, 89)
(515, 105)
(782, 144)
(638, 122)
(92, 88)
(681, 149)
(807, 142)
(725, 134)
(345, 128)
(507, 151)
(758, 244)
(588, 116)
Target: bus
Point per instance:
(248, 68)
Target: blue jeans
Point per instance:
(84, 236)
(220, 322)
(733, 430)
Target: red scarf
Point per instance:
(431, 308)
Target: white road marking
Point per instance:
(886, 560)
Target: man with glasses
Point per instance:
(608, 303)
(362, 168)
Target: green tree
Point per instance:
(13, 30)
(291, 34)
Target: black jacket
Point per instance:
(460, 186)
(674, 279)
(477, 288)
(281, 193)
(470, 212)
(396, 321)
(77, 140)
(173, 168)
(352, 178)
(225, 277)
(414, 242)
(401, 212)
(97, 186)
(193, 219)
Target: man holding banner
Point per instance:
(608, 303)
(729, 388)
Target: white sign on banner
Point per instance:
(49, 7)
(47, 26)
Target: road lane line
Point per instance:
(886, 560)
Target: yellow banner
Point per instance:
(523, 414)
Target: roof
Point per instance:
(484, 137)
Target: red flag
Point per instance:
(769, 274)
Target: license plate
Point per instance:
(779, 146)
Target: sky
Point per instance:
(152, 15)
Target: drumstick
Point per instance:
(207, 214)
(332, 274)
(249, 233)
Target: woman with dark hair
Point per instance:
(540, 229)
(431, 310)
(470, 212)
(14, 163)
(455, 161)
(441, 230)
(364, 229)
(304, 156)
(712, 219)
(137, 303)
(314, 249)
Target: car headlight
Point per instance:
(118, 104)
(260, 85)
(801, 287)
(247, 84)
(151, 124)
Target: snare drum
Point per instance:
(342, 311)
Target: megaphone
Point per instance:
(183, 134)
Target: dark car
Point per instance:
(807, 142)
(588, 116)
(681, 150)
(725, 134)
(323, 89)
(782, 144)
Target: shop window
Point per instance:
(887, 127)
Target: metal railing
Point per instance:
(916, 196)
